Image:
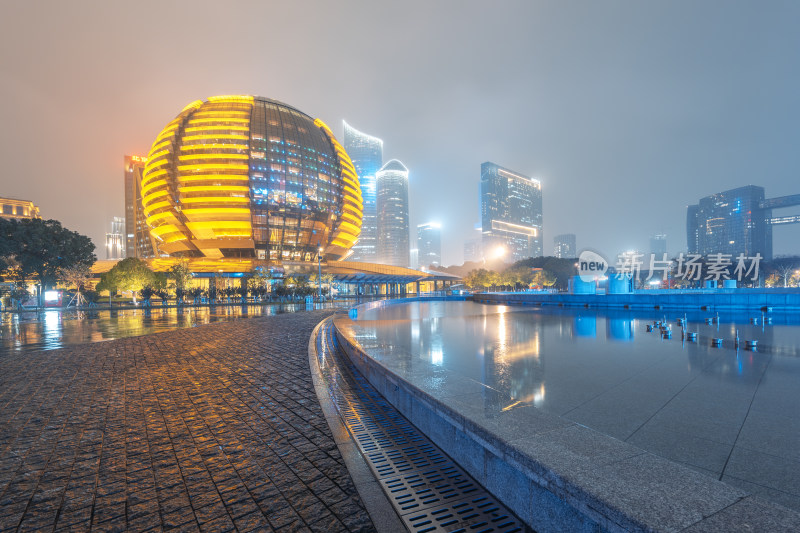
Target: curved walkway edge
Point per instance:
(369, 489)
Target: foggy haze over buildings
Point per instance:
(626, 112)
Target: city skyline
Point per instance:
(627, 120)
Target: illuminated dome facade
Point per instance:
(250, 177)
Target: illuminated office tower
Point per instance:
(392, 198)
(429, 243)
(115, 241)
(138, 242)
(366, 152)
(737, 221)
(414, 259)
(565, 246)
(511, 213)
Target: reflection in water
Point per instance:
(686, 400)
(55, 328)
(620, 329)
(506, 348)
(586, 326)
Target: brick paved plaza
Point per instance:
(213, 428)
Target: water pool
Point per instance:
(731, 414)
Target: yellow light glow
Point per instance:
(213, 177)
(193, 105)
(236, 224)
(214, 146)
(231, 112)
(218, 127)
(216, 199)
(152, 207)
(232, 98)
(152, 185)
(153, 174)
(215, 188)
(201, 166)
(227, 211)
(226, 119)
(216, 136)
(152, 219)
(150, 197)
(189, 157)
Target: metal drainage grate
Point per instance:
(429, 491)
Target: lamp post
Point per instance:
(319, 273)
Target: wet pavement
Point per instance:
(214, 428)
(56, 328)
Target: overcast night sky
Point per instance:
(627, 111)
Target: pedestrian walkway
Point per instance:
(214, 428)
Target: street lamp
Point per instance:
(319, 273)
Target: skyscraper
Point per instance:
(115, 241)
(658, 245)
(565, 246)
(138, 242)
(511, 213)
(473, 251)
(738, 221)
(392, 197)
(413, 262)
(366, 152)
(429, 243)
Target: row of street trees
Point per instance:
(133, 275)
(42, 252)
(512, 279)
(541, 272)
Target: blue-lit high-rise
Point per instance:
(366, 152)
(429, 243)
(730, 222)
(738, 221)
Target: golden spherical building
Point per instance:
(250, 178)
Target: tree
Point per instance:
(76, 276)
(181, 276)
(41, 249)
(7, 246)
(133, 275)
(543, 278)
(327, 281)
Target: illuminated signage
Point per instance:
(50, 296)
(138, 159)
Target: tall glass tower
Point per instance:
(392, 188)
(366, 152)
(565, 246)
(511, 213)
(429, 243)
(138, 242)
(730, 222)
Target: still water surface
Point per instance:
(55, 328)
(732, 414)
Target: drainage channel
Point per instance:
(427, 489)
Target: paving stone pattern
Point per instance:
(214, 428)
